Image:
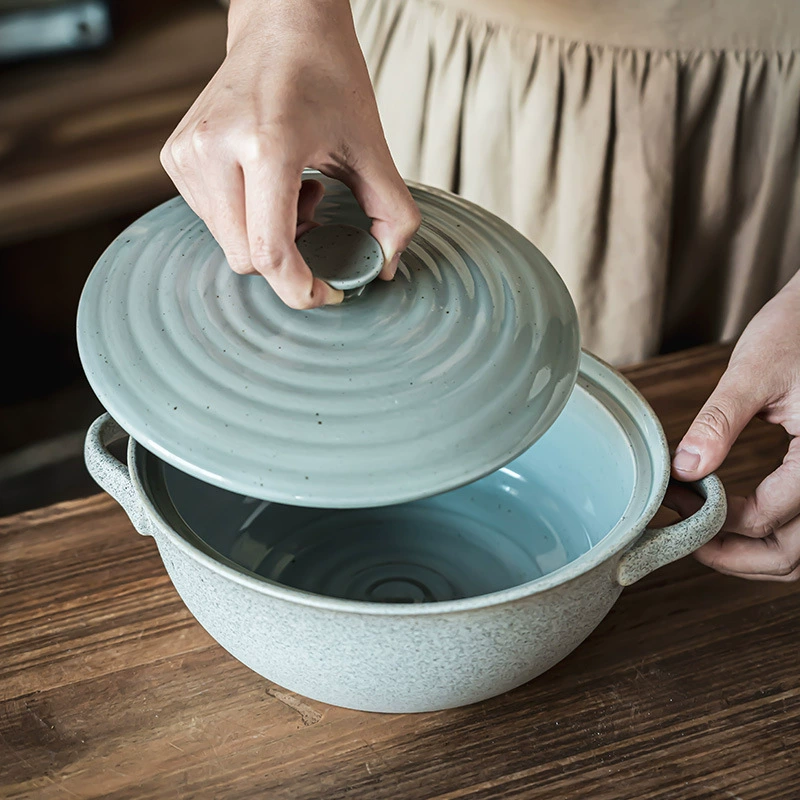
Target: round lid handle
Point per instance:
(344, 256)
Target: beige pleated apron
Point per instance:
(650, 149)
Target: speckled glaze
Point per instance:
(344, 256)
(603, 469)
(415, 387)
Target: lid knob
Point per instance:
(344, 256)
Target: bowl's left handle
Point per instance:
(110, 473)
(657, 547)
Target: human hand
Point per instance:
(761, 536)
(293, 92)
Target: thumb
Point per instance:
(709, 439)
(386, 200)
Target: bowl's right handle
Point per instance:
(110, 473)
(657, 547)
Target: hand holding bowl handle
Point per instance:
(761, 536)
(292, 92)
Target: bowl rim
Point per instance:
(609, 549)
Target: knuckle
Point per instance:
(758, 520)
(785, 567)
(784, 564)
(412, 222)
(766, 527)
(203, 139)
(302, 302)
(239, 263)
(791, 463)
(408, 216)
(415, 218)
(165, 156)
(714, 422)
(266, 257)
(253, 147)
(297, 298)
(179, 154)
(300, 295)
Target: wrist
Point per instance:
(282, 16)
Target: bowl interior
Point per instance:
(544, 510)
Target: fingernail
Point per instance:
(334, 297)
(686, 461)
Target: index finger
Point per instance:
(271, 195)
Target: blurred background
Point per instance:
(89, 92)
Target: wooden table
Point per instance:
(689, 689)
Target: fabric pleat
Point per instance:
(660, 180)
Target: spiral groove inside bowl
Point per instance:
(480, 539)
(538, 514)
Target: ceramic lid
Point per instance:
(412, 388)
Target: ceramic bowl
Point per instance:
(434, 603)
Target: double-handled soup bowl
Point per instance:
(435, 603)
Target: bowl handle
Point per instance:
(659, 546)
(110, 473)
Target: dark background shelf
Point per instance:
(79, 142)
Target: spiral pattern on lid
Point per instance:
(417, 386)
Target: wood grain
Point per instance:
(80, 136)
(689, 690)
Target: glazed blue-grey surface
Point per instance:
(542, 511)
(344, 256)
(559, 530)
(415, 387)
